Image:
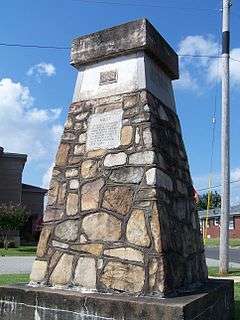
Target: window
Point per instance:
(231, 224)
(216, 222)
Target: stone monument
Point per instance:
(121, 230)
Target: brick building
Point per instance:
(13, 190)
(213, 225)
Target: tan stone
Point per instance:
(52, 214)
(39, 270)
(72, 204)
(69, 123)
(118, 199)
(93, 248)
(82, 138)
(85, 273)
(155, 228)
(124, 277)
(43, 241)
(61, 193)
(54, 259)
(62, 272)
(102, 226)
(62, 154)
(153, 267)
(126, 135)
(130, 101)
(90, 194)
(136, 229)
(96, 153)
(89, 169)
(125, 254)
(53, 192)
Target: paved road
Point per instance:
(16, 264)
(24, 264)
(213, 253)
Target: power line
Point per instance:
(115, 3)
(218, 186)
(35, 46)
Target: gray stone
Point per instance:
(59, 244)
(67, 230)
(145, 157)
(127, 175)
(132, 36)
(147, 137)
(71, 173)
(115, 159)
(74, 184)
(156, 177)
(82, 138)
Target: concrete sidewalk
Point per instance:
(215, 263)
(16, 264)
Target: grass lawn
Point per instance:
(215, 242)
(213, 272)
(21, 251)
(13, 278)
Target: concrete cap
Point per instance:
(126, 38)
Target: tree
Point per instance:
(215, 201)
(12, 218)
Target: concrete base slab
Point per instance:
(20, 302)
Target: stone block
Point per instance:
(72, 204)
(125, 254)
(90, 194)
(102, 226)
(123, 277)
(62, 273)
(118, 199)
(39, 270)
(85, 273)
(67, 230)
(136, 229)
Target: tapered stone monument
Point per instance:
(121, 222)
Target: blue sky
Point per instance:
(36, 85)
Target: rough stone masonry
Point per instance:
(121, 216)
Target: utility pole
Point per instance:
(225, 144)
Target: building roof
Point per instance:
(32, 189)
(215, 213)
(12, 155)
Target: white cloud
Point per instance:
(47, 176)
(24, 127)
(198, 72)
(41, 69)
(186, 81)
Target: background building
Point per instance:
(213, 225)
(13, 190)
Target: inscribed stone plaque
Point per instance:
(108, 77)
(104, 130)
